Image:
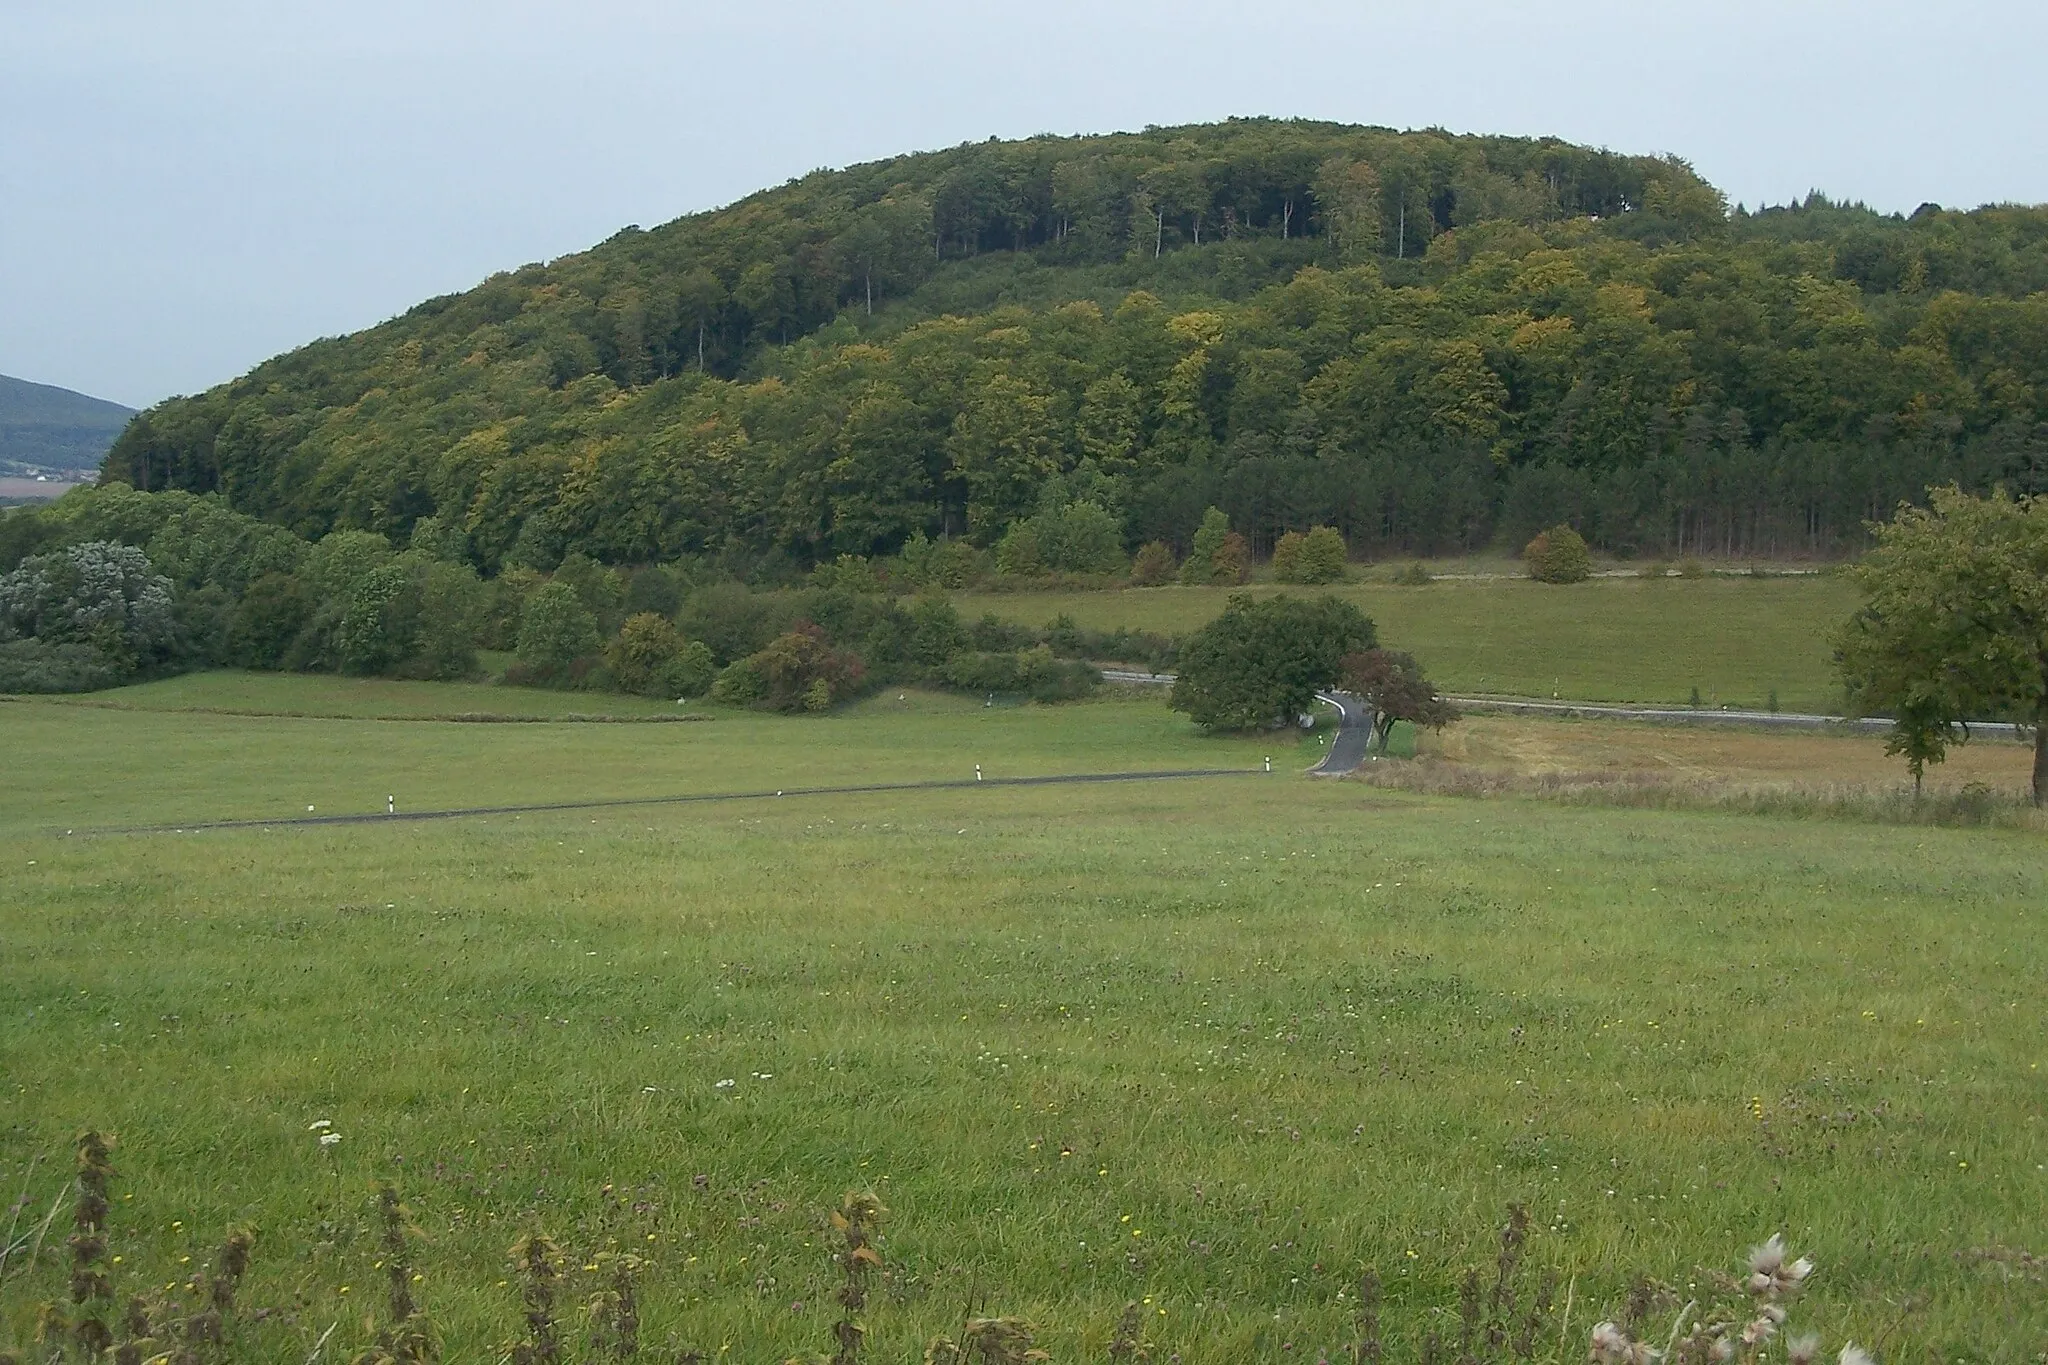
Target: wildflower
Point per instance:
(1759, 1331)
(1803, 1350)
(317, 1124)
(1611, 1346)
(1771, 1274)
(726, 1084)
(329, 1139)
(1852, 1354)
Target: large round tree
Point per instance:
(1264, 659)
(1956, 626)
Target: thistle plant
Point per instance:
(1125, 1345)
(92, 1292)
(537, 1262)
(409, 1338)
(855, 1220)
(614, 1309)
(1365, 1342)
(1733, 1331)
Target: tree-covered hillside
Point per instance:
(1429, 341)
(48, 430)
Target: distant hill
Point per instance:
(48, 430)
(1431, 342)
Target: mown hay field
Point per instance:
(1214, 1045)
(1736, 639)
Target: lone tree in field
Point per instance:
(1264, 659)
(1393, 686)
(1558, 555)
(1956, 626)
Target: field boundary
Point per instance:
(619, 802)
(441, 718)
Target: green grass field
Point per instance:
(1216, 1044)
(1735, 639)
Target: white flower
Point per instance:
(317, 1124)
(1771, 1274)
(329, 1139)
(726, 1084)
(1803, 1350)
(1611, 1346)
(1852, 1354)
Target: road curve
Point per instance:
(1353, 737)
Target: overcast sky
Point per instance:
(189, 186)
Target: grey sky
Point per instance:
(189, 186)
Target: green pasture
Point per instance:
(1215, 1044)
(1610, 639)
(225, 745)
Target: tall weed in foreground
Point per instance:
(1511, 1316)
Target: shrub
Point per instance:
(1317, 556)
(1219, 554)
(380, 622)
(1018, 554)
(39, 666)
(1558, 555)
(650, 657)
(1035, 673)
(848, 573)
(1416, 575)
(797, 671)
(940, 563)
(99, 594)
(555, 629)
(1080, 538)
(1154, 565)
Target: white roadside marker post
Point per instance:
(391, 805)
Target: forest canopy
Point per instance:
(1428, 342)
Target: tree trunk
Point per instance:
(2041, 761)
(700, 348)
(2041, 738)
(1159, 232)
(871, 292)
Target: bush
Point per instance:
(555, 629)
(1035, 673)
(1317, 556)
(1416, 575)
(1080, 538)
(1264, 659)
(797, 671)
(650, 657)
(268, 621)
(1219, 554)
(1558, 555)
(848, 573)
(99, 594)
(39, 666)
(1154, 565)
(941, 563)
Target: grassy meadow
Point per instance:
(1736, 639)
(1213, 1045)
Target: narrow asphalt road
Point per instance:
(1353, 737)
(613, 803)
(1654, 715)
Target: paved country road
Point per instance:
(1655, 715)
(386, 817)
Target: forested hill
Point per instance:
(48, 430)
(1429, 341)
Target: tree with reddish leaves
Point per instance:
(1392, 684)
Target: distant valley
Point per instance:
(51, 438)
